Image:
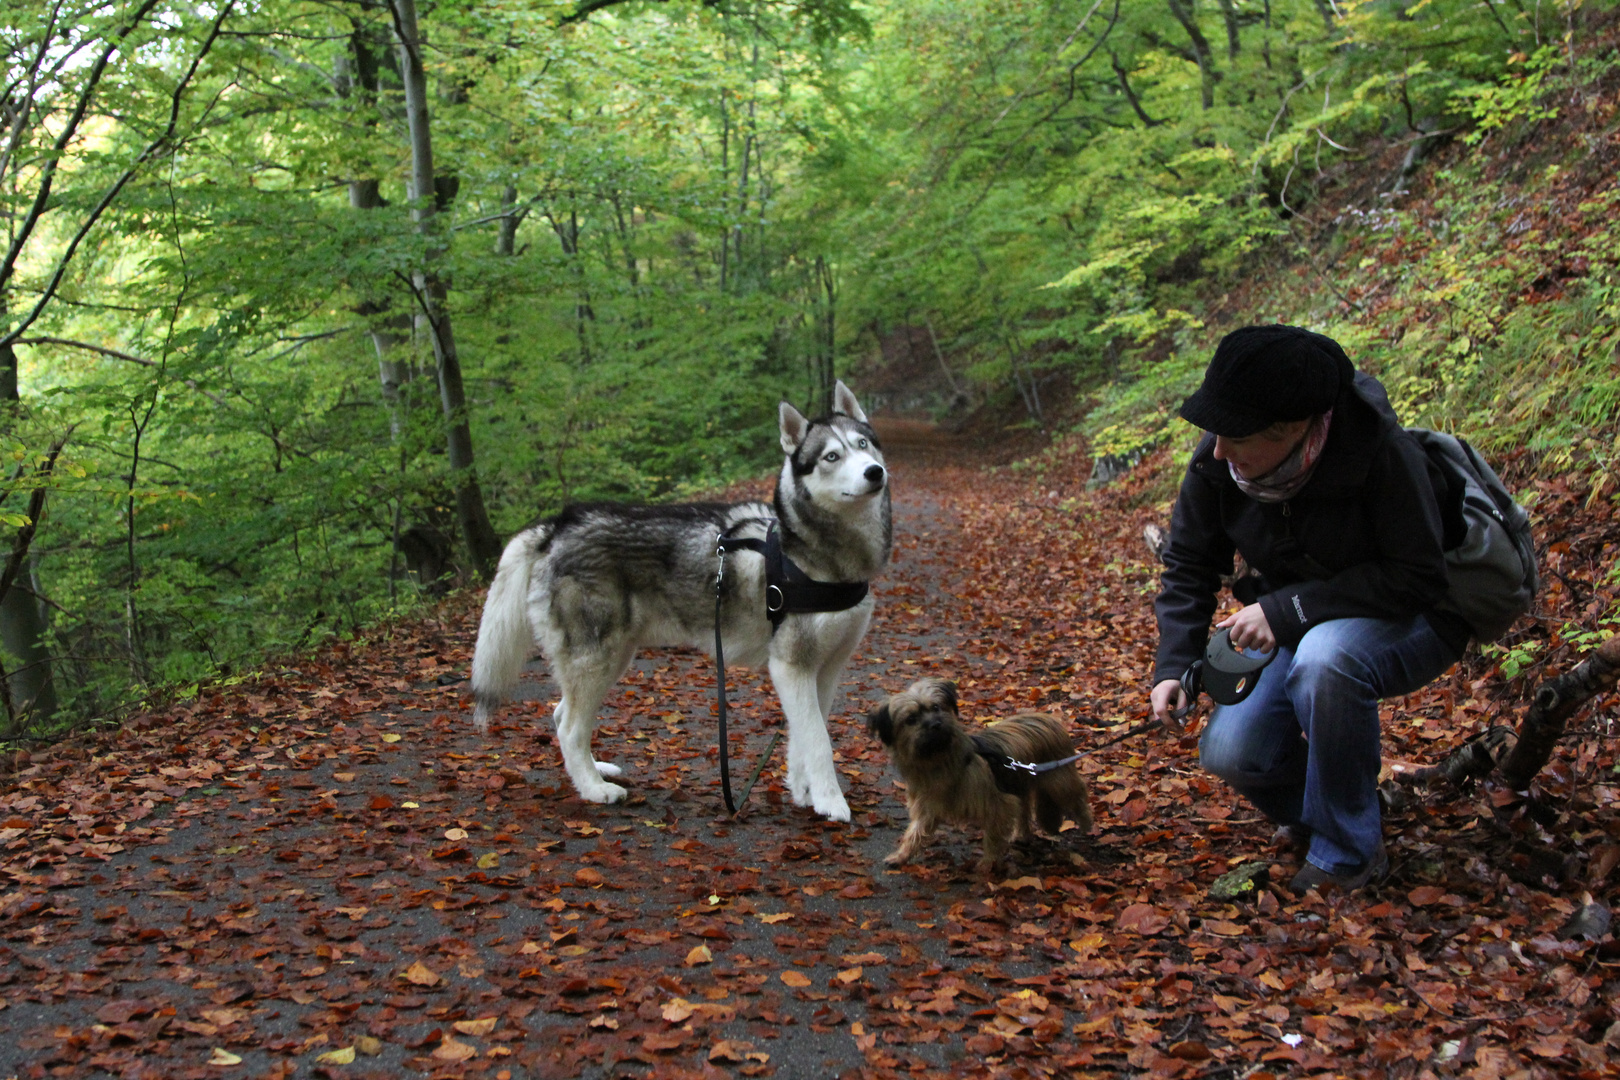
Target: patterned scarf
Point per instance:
(1286, 480)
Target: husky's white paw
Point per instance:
(608, 770)
(604, 793)
(798, 783)
(832, 807)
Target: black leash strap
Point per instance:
(723, 545)
(788, 591)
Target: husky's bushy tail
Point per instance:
(504, 636)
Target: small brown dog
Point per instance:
(954, 776)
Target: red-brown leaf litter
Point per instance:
(325, 871)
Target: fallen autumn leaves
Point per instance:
(327, 873)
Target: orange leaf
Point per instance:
(450, 1050)
(729, 1050)
(663, 1040)
(1191, 1051)
(1424, 895)
(422, 975)
(794, 978)
(1144, 919)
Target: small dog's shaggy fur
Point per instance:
(950, 777)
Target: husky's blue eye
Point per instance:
(861, 443)
(832, 455)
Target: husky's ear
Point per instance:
(881, 724)
(844, 402)
(794, 427)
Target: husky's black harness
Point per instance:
(788, 591)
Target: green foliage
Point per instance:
(707, 206)
(1520, 95)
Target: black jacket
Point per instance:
(1362, 538)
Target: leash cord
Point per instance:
(759, 767)
(720, 685)
(1036, 768)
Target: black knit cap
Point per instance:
(1261, 375)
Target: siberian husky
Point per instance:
(596, 583)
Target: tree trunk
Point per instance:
(1555, 702)
(939, 355)
(473, 518)
(30, 692)
(22, 633)
(506, 230)
(821, 391)
(8, 368)
(1233, 43)
(1519, 756)
(1201, 50)
(360, 74)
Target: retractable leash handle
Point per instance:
(1191, 679)
(1227, 673)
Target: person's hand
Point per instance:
(1249, 630)
(1168, 695)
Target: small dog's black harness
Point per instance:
(1013, 776)
(788, 591)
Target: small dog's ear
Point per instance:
(881, 724)
(950, 693)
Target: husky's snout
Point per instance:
(874, 475)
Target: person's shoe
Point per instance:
(1292, 840)
(1312, 876)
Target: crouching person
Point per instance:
(1305, 472)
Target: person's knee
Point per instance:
(1245, 755)
(1226, 752)
(1328, 666)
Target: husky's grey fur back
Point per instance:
(605, 570)
(598, 582)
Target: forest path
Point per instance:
(334, 859)
(327, 872)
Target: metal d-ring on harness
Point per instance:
(1026, 770)
(788, 591)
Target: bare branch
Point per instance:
(112, 193)
(85, 345)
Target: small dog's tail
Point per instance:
(504, 635)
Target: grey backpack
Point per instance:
(1493, 569)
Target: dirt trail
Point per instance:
(335, 860)
(329, 864)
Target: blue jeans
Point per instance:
(1304, 746)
